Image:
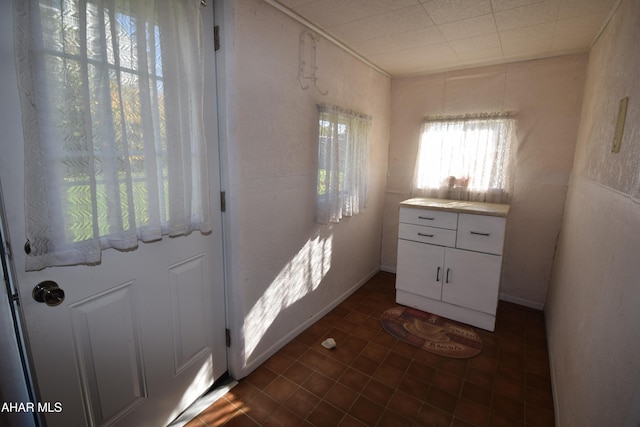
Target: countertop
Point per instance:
(460, 206)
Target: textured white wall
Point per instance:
(284, 269)
(593, 308)
(547, 96)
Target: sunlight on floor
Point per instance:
(299, 277)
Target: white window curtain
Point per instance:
(111, 94)
(343, 163)
(466, 158)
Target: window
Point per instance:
(343, 163)
(105, 164)
(466, 158)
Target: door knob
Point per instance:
(49, 293)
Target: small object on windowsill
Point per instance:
(329, 344)
(453, 182)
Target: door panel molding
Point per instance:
(189, 288)
(108, 350)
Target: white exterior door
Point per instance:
(138, 337)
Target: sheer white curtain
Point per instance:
(466, 158)
(343, 163)
(111, 94)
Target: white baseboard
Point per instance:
(388, 269)
(522, 301)
(260, 359)
(552, 372)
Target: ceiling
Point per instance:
(412, 37)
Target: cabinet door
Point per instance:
(471, 280)
(420, 268)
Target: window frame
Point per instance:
(489, 138)
(343, 146)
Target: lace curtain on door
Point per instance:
(115, 152)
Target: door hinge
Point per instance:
(223, 201)
(227, 338)
(216, 37)
(15, 298)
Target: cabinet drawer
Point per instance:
(481, 233)
(432, 235)
(429, 218)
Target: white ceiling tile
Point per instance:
(468, 27)
(474, 44)
(535, 32)
(292, 4)
(330, 13)
(374, 46)
(401, 41)
(323, 13)
(443, 11)
(421, 37)
(576, 34)
(381, 6)
(482, 57)
(534, 40)
(572, 8)
(441, 63)
(527, 51)
(525, 16)
(409, 37)
(440, 52)
(402, 68)
(398, 21)
(434, 64)
(500, 5)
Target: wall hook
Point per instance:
(307, 67)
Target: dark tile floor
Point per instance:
(374, 379)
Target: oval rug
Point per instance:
(431, 332)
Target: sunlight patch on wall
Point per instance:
(298, 277)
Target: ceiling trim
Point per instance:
(324, 34)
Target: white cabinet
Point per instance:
(450, 258)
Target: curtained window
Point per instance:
(111, 95)
(466, 158)
(343, 163)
